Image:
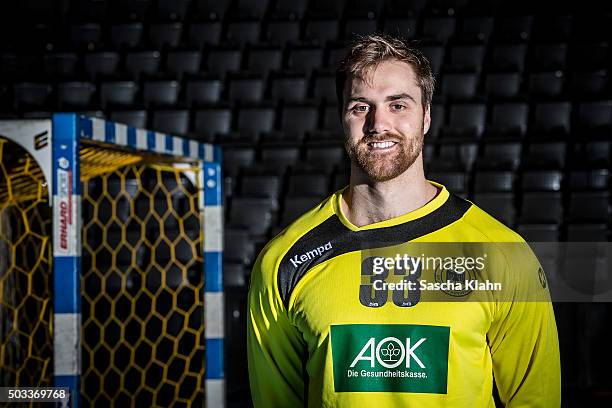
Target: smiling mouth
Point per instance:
(381, 145)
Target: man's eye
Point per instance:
(360, 108)
(397, 106)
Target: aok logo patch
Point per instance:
(390, 358)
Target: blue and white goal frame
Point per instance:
(55, 146)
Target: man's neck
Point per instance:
(366, 202)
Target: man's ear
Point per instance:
(427, 119)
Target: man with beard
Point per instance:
(329, 325)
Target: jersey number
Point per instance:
(376, 292)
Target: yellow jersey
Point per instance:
(329, 326)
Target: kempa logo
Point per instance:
(390, 352)
(314, 253)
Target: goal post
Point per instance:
(130, 260)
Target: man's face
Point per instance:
(384, 121)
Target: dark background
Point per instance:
(521, 118)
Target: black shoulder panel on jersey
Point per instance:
(332, 238)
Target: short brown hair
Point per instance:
(367, 51)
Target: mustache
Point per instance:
(391, 137)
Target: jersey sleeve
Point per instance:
(275, 348)
(523, 336)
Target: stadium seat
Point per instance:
(161, 93)
(296, 120)
(280, 157)
(546, 155)
(258, 185)
(204, 33)
(118, 93)
(71, 95)
(435, 54)
(403, 26)
(324, 87)
(503, 85)
(590, 84)
(211, 9)
(466, 58)
(128, 35)
(304, 58)
(60, 65)
(595, 119)
(476, 29)
(290, 9)
(321, 30)
(136, 118)
(282, 31)
(253, 214)
(539, 232)
(252, 121)
(203, 91)
(546, 84)
(597, 153)
(183, 62)
(439, 28)
(467, 120)
(162, 35)
(541, 180)
(250, 9)
(327, 156)
(508, 120)
(500, 156)
(264, 59)
(402, 7)
(243, 32)
(513, 28)
(456, 155)
(31, 95)
(85, 36)
(541, 207)
(589, 56)
(142, 62)
(172, 10)
(552, 118)
(589, 179)
(587, 232)
(358, 26)
(499, 205)
(589, 206)
(238, 247)
(551, 27)
(437, 121)
(171, 121)
(549, 57)
(211, 121)
(331, 120)
(364, 8)
(294, 207)
(508, 57)
(493, 181)
(224, 59)
(246, 88)
(101, 64)
(235, 158)
(289, 88)
(455, 181)
(459, 86)
(305, 185)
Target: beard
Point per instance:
(384, 166)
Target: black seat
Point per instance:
(262, 60)
(204, 33)
(456, 155)
(211, 9)
(294, 207)
(203, 91)
(501, 156)
(549, 57)
(359, 26)
(467, 57)
(183, 62)
(437, 121)
(305, 58)
(552, 118)
(304, 185)
(142, 62)
(290, 88)
(326, 157)
(210, 121)
(60, 64)
(75, 94)
(238, 247)
(136, 118)
(250, 9)
(224, 59)
(324, 87)
(439, 28)
(503, 84)
(550, 28)
(163, 35)
(499, 205)
(435, 54)
(85, 36)
(541, 207)
(280, 157)
(172, 9)
(589, 179)
(118, 93)
(513, 28)
(546, 155)
(292, 9)
(331, 120)
(466, 120)
(252, 121)
(161, 93)
(494, 181)
(321, 30)
(403, 26)
(509, 120)
(509, 57)
(258, 185)
(455, 181)
(171, 121)
(235, 158)
(541, 180)
(578, 232)
(459, 86)
(128, 35)
(282, 31)
(590, 84)
(299, 119)
(539, 232)
(101, 64)
(476, 29)
(246, 88)
(31, 95)
(546, 84)
(253, 214)
(243, 32)
(589, 56)
(595, 119)
(589, 206)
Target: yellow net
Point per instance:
(143, 293)
(26, 355)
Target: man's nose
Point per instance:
(377, 121)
